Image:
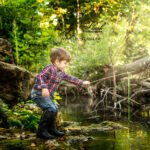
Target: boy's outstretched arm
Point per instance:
(75, 80)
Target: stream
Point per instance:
(80, 111)
(136, 137)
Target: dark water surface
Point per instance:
(136, 137)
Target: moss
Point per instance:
(14, 122)
(104, 126)
(25, 116)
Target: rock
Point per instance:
(104, 126)
(30, 107)
(51, 144)
(16, 134)
(79, 139)
(15, 83)
(6, 53)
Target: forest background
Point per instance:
(86, 28)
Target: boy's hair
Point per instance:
(60, 54)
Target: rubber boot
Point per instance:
(52, 126)
(43, 126)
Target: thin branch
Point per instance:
(102, 99)
(124, 99)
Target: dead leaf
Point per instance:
(33, 144)
(63, 139)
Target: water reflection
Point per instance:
(136, 137)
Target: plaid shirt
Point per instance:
(50, 78)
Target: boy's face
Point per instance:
(61, 65)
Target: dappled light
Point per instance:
(75, 74)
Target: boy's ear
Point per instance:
(56, 61)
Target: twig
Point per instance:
(102, 99)
(140, 92)
(124, 98)
(111, 76)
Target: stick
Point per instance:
(102, 99)
(125, 98)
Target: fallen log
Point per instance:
(144, 84)
(140, 92)
(134, 68)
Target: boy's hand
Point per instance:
(86, 83)
(45, 92)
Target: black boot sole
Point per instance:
(39, 135)
(56, 134)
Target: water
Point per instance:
(136, 137)
(81, 111)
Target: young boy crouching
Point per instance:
(47, 82)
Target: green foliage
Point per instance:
(92, 51)
(137, 39)
(57, 98)
(22, 116)
(7, 58)
(16, 37)
(23, 25)
(14, 122)
(29, 120)
(126, 35)
(35, 27)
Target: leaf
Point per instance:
(33, 144)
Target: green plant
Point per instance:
(129, 76)
(15, 36)
(57, 98)
(30, 121)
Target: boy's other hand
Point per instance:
(45, 92)
(86, 83)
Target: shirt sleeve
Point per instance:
(44, 76)
(72, 79)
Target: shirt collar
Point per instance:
(56, 68)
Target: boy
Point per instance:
(47, 82)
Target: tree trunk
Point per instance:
(78, 15)
(134, 68)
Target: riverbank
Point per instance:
(79, 112)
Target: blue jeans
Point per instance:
(43, 102)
